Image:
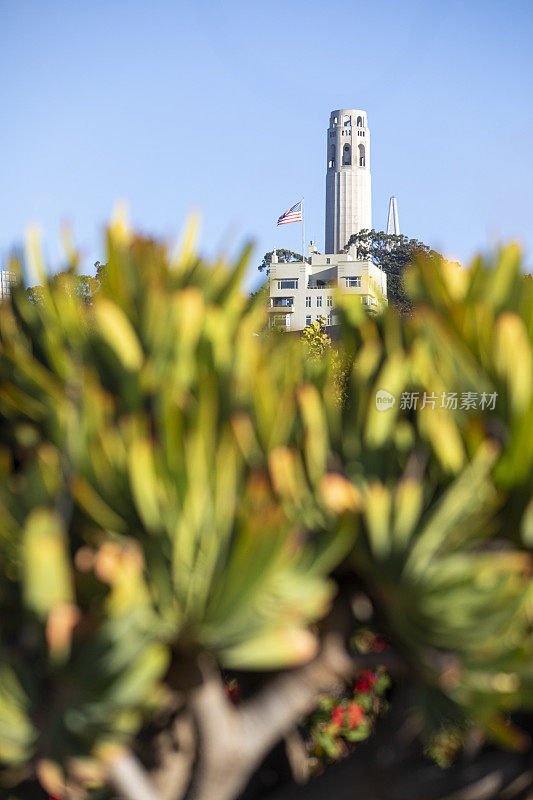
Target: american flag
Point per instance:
(294, 214)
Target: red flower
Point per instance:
(233, 690)
(365, 682)
(355, 715)
(378, 645)
(337, 716)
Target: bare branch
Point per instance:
(297, 756)
(269, 715)
(176, 755)
(130, 779)
(222, 765)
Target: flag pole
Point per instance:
(303, 232)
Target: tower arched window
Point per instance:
(361, 155)
(359, 122)
(346, 155)
(331, 160)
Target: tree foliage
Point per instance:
(283, 255)
(393, 254)
(70, 282)
(179, 496)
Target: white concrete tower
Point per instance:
(348, 183)
(393, 226)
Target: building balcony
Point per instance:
(281, 304)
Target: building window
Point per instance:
(347, 155)
(308, 320)
(332, 153)
(327, 260)
(329, 319)
(361, 155)
(329, 301)
(346, 119)
(354, 281)
(359, 122)
(308, 302)
(288, 283)
(364, 300)
(280, 321)
(279, 302)
(319, 301)
(8, 280)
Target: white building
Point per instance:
(7, 281)
(301, 292)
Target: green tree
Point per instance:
(35, 294)
(319, 345)
(100, 271)
(393, 254)
(316, 338)
(83, 286)
(283, 255)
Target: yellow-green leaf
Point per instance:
(47, 574)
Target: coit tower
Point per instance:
(348, 190)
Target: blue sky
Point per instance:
(223, 107)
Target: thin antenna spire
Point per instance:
(393, 226)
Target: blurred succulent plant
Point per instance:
(174, 485)
(446, 477)
(159, 495)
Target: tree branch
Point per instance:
(130, 779)
(233, 742)
(269, 715)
